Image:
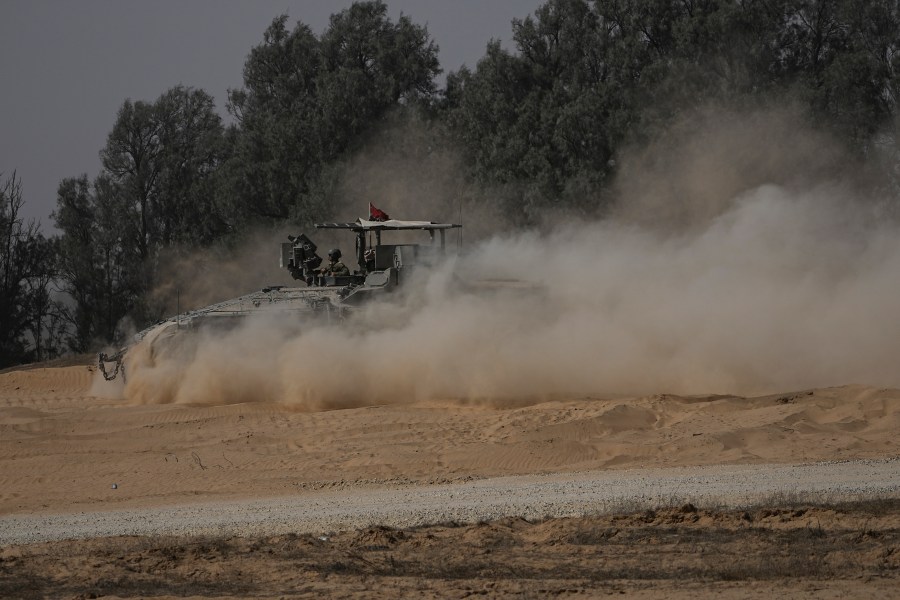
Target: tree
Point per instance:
(157, 190)
(102, 277)
(162, 156)
(276, 147)
(369, 65)
(131, 158)
(46, 325)
(544, 124)
(26, 262)
(308, 101)
(845, 55)
(191, 145)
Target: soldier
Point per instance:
(335, 266)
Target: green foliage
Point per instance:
(191, 138)
(591, 77)
(100, 271)
(543, 123)
(307, 101)
(160, 158)
(843, 56)
(157, 190)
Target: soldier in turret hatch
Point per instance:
(334, 267)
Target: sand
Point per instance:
(71, 453)
(62, 449)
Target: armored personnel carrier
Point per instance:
(382, 267)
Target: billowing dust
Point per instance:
(740, 259)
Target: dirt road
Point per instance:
(530, 497)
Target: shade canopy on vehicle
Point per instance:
(390, 225)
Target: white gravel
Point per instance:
(532, 497)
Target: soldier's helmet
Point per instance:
(334, 253)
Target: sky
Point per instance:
(67, 66)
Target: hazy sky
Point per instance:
(66, 66)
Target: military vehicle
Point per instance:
(382, 268)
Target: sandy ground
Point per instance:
(834, 552)
(64, 445)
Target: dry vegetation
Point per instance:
(849, 548)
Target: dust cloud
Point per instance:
(741, 259)
(190, 279)
(412, 171)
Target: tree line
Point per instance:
(540, 125)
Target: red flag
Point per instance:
(376, 214)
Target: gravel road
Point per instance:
(532, 497)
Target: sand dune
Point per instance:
(62, 447)
(240, 471)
